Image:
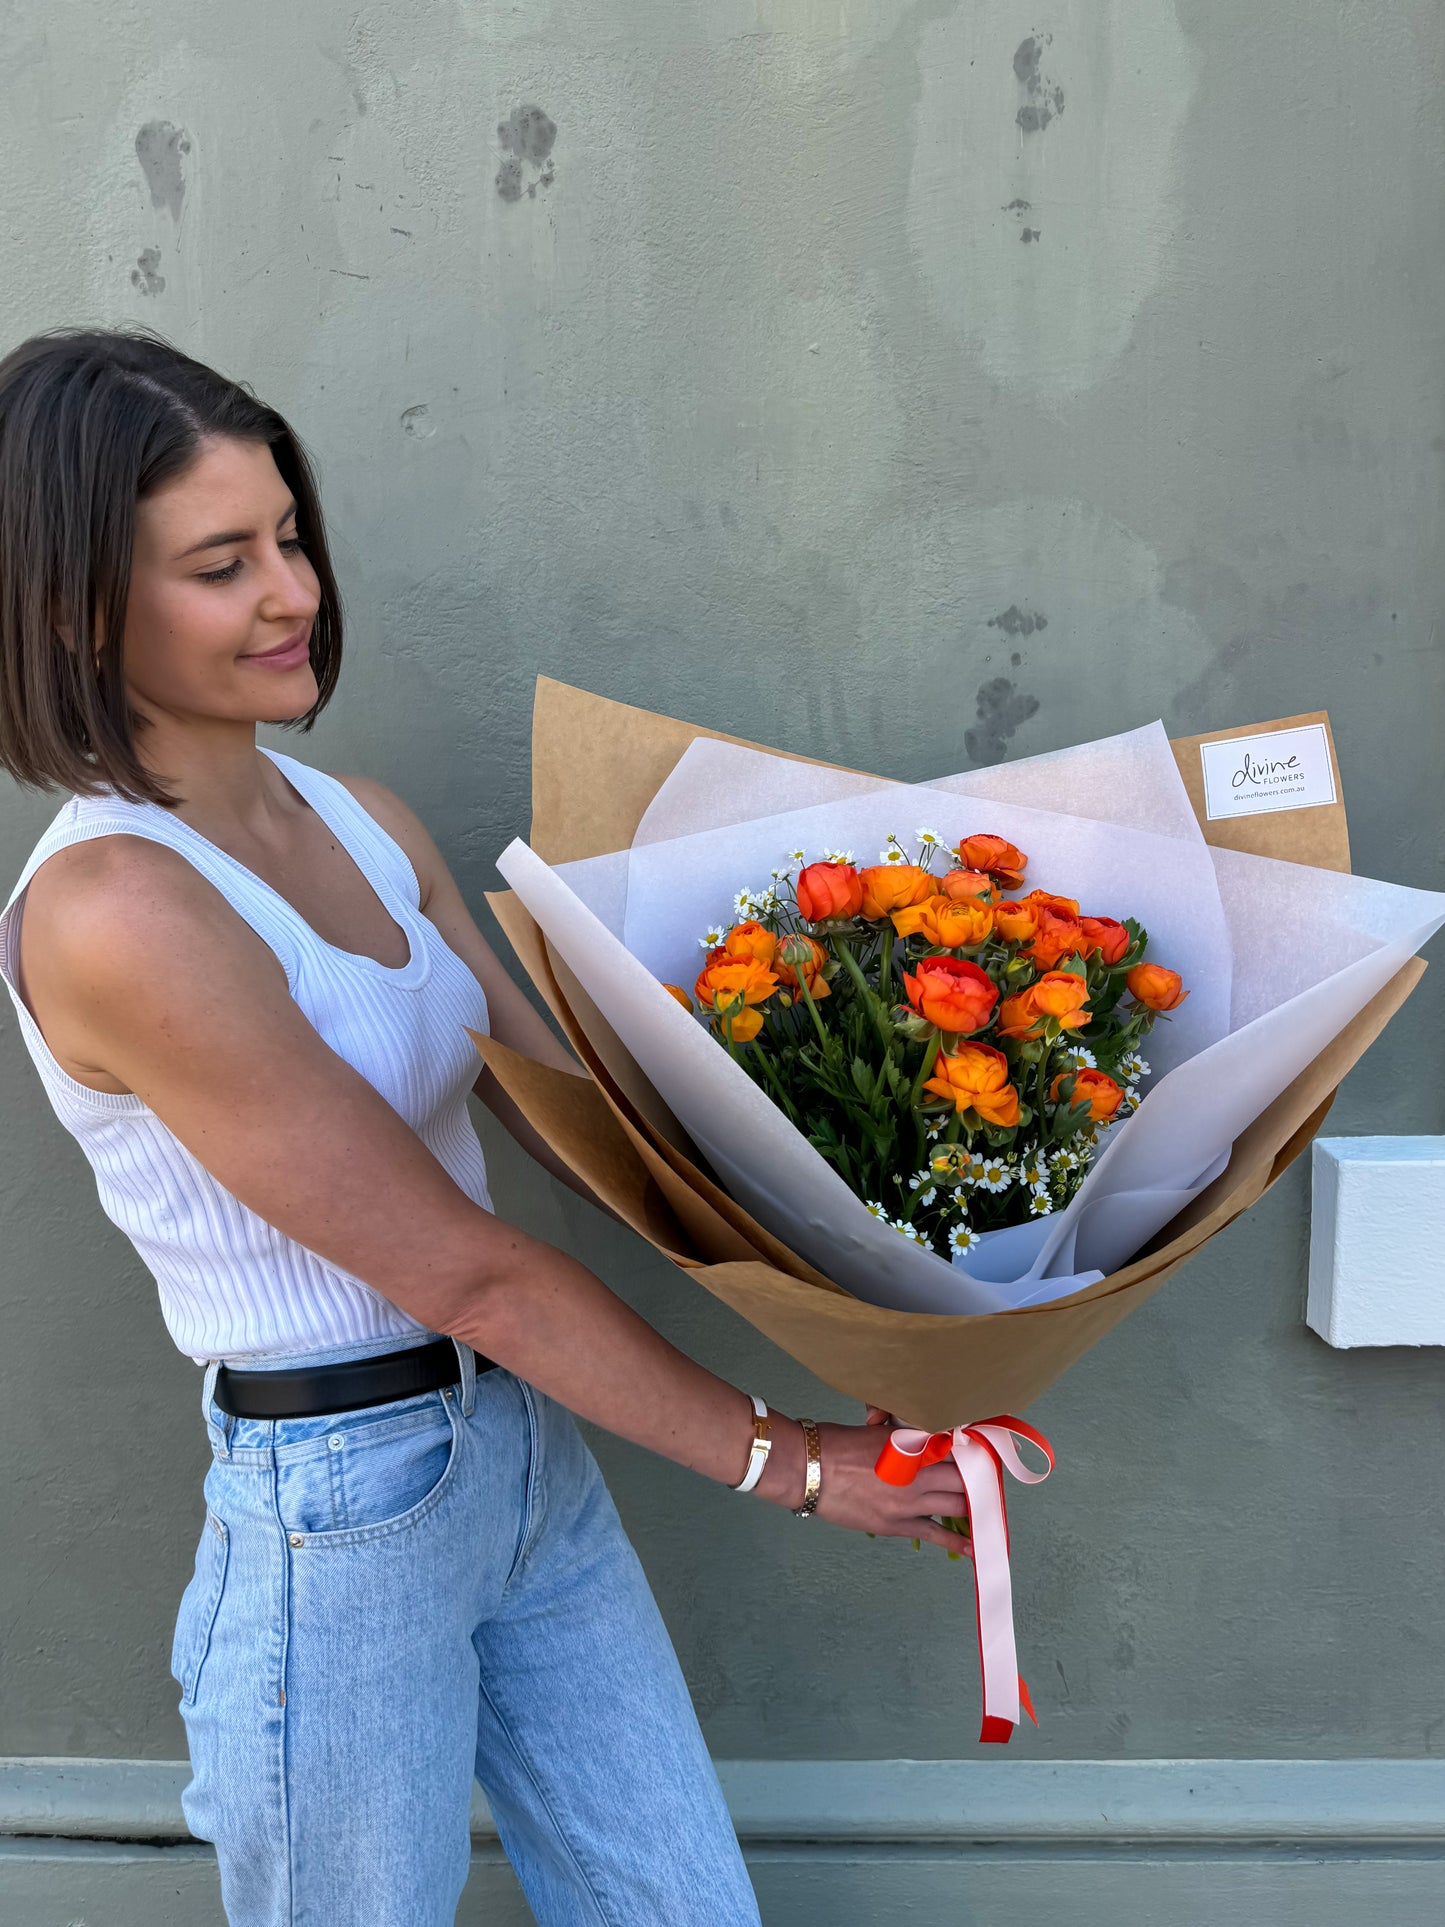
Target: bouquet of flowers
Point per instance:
(901, 1124)
(956, 1053)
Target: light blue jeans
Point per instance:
(390, 1601)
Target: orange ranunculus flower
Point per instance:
(995, 857)
(732, 986)
(828, 892)
(1016, 921)
(951, 926)
(1062, 996)
(893, 886)
(958, 884)
(1094, 1088)
(1105, 935)
(1155, 987)
(976, 1078)
(802, 956)
(1058, 936)
(680, 995)
(1066, 906)
(951, 993)
(751, 939)
(1018, 1018)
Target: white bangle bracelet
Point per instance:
(762, 1445)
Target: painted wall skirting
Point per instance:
(1333, 1804)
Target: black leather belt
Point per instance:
(302, 1391)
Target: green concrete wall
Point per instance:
(912, 384)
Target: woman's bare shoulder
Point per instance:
(116, 903)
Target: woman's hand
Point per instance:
(853, 1495)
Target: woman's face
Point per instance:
(222, 599)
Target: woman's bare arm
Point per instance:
(165, 989)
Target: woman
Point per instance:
(246, 986)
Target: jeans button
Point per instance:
(297, 1539)
(336, 1441)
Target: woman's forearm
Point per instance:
(547, 1318)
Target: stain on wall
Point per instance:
(161, 149)
(146, 274)
(1015, 621)
(1042, 99)
(1001, 707)
(527, 136)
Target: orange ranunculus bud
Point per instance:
(753, 940)
(951, 993)
(994, 856)
(1058, 936)
(800, 956)
(1105, 935)
(1062, 996)
(1094, 1088)
(976, 1078)
(949, 925)
(681, 996)
(893, 886)
(731, 986)
(1155, 987)
(959, 884)
(1016, 921)
(828, 892)
(1018, 1018)
(1066, 906)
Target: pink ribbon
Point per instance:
(981, 1452)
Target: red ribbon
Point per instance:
(981, 1452)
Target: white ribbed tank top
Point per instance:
(232, 1286)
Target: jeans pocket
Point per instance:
(367, 1481)
(200, 1603)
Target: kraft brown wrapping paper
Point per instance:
(596, 767)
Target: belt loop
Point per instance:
(220, 1434)
(467, 1360)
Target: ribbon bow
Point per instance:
(981, 1452)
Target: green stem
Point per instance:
(885, 962)
(865, 990)
(930, 1058)
(828, 1042)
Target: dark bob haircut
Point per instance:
(90, 422)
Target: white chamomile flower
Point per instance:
(778, 875)
(996, 1175)
(961, 1239)
(933, 1133)
(1040, 1204)
(767, 903)
(1134, 1068)
(1079, 1059)
(710, 939)
(797, 856)
(838, 856)
(890, 853)
(930, 839)
(1033, 1173)
(927, 1197)
(875, 1210)
(1065, 1160)
(908, 1231)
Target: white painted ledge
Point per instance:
(1377, 1241)
(845, 1803)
